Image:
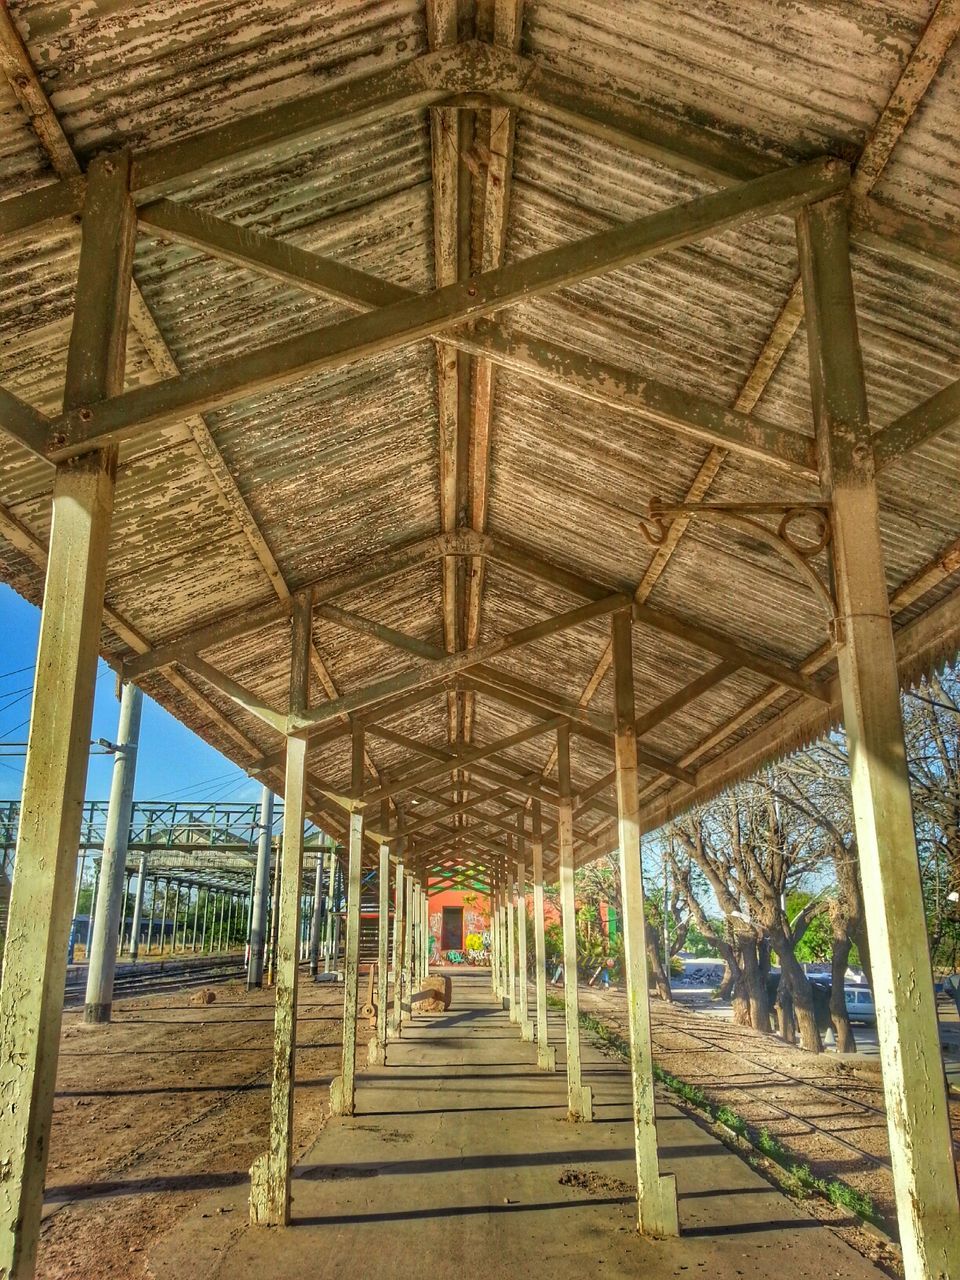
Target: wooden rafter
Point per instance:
(291, 359)
(21, 73)
(912, 429)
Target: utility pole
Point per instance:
(261, 893)
(103, 951)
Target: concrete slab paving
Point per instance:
(460, 1160)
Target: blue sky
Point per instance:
(171, 758)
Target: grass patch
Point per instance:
(799, 1177)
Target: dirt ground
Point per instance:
(164, 1104)
(171, 1101)
(826, 1110)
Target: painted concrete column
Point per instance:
(546, 1054)
(921, 1149)
(343, 1088)
(657, 1193)
(206, 912)
(378, 1045)
(399, 930)
(113, 863)
(270, 1173)
(579, 1099)
(138, 908)
(196, 913)
(523, 1009)
(38, 923)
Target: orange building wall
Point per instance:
(476, 913)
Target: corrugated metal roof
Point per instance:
(324, 475)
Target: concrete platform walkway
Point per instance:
(460, 1161)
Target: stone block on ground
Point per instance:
(434, 996)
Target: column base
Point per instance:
(580, 1104)
(377, 1053)
(657, 1208)
(340, 1104)
(526, 1031)
(95, 1013)
(546, 1057)
(269, 1197)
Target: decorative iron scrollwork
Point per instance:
(798, 552)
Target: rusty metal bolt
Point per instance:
(86, 415)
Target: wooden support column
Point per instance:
(38, 925)
(414, 923)
(546, 1054)
(494, 939)
(921, 1149)
(579, 1099)
(656, 1192)
(270, 1173)
(408, 941)
(425, 909)
(502, 935)
(377, 1051)
(342, 1090)
(510, 904)
(523, 1005)
(399, 949)
(329, 928)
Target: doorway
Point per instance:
(451, 934)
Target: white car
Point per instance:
(859, 1002)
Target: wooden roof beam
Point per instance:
(429, 674)
(497, 770)
(463, 758)
(694, 416)
(278, 364)
(497, 175)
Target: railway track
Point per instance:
(788, 1118)
(155, 977)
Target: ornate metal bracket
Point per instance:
(783, 539)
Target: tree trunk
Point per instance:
(655, 964)
(727, 982)
(785, 1013)
(846, 1043)
(756, 986)
(799, 987)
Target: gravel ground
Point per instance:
(826, 1110)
